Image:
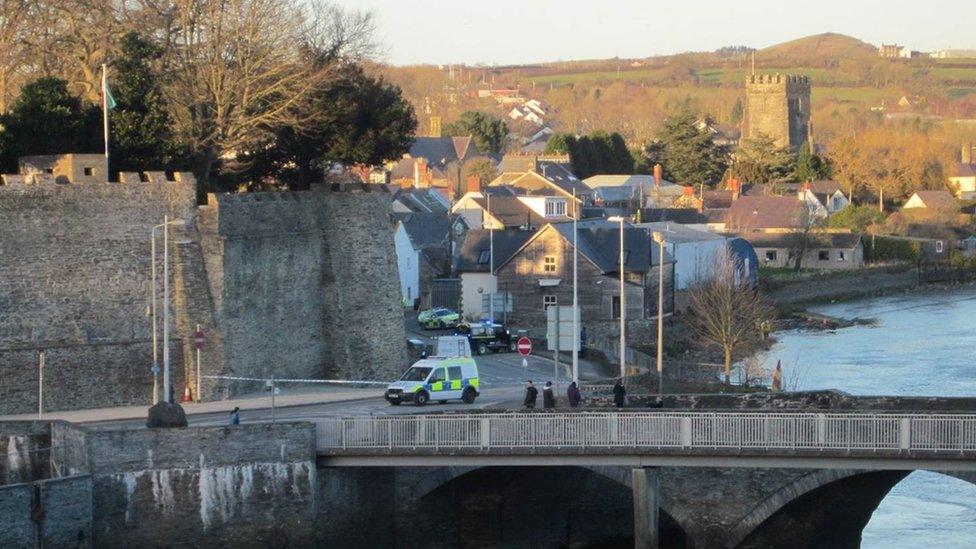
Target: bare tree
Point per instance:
(804, 235)
(15, 26)
(724, 310)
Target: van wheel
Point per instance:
(422, 398)
(482, 349)
(513, 346)
(394, 402)
(468, 396)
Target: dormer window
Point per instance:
(555, 208)
(485, 257)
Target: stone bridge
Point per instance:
(684, 479)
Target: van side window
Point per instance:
(454, 372)
(438, 375)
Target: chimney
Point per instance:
(658, 175)
(689, 191)
(967, 153)
(735, 187)
(474, 184)
(420, 173)
(806, 185)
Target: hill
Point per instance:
(819, 50)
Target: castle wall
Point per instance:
(305, 284)
(75, 279)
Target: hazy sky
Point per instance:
(514, 31)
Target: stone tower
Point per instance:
(778, 106)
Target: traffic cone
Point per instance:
(187, 397)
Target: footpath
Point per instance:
(324, 394)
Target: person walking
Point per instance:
(619, 394)
(548, 399)
(531, 393)
(573, 395)
(235, 416)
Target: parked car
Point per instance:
(433, 319)
(488, 336)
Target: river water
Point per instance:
(923, 344)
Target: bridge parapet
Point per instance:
(663, 434)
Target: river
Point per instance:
(923, 344)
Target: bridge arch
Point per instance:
(842, 499)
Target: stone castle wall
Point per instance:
(75, 281)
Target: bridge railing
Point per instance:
(675, 430)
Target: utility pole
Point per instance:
(40, 385)
(166, 387)
(660, 314)
(623, 307)
(491, 265)
(155, 344)
(576, 328)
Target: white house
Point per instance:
(694, 250)
(823, 197)
(408, 264)
(508, 211)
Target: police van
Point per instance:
(448, 375)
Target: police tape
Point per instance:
(277, 380)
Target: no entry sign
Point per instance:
(198, 339)
(524, 346)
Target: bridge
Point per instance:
(843, 452)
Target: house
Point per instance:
(422, 243)
(766, 212)
(939, 201)
(481, 250)
(828, 251)
(823, 197)
(540, 274)
(420, 201)
(695, 251)
(683, 216)
(436, 162)
(962, 175)
(546, 179)
(501, 211)
(651, 190)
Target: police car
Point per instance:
(448, 375)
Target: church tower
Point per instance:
(778, 106)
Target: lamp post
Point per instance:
(659, 238)
(491, 265)
(576, 329)
(623, 307)
(165, 226)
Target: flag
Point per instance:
(109, 101)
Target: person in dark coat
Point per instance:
(619, 394)
(235, 416)
(531, 393)
(548, 399)
(573, 395)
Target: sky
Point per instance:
(524, 31)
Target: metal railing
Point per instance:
(651, 430)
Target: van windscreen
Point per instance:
(416, 373)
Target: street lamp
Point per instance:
(165, 226)
(623, 308)
(659, 238)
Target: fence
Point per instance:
(793, 431)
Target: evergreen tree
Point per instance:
(625, 161)
(559, 143)
(47, 119)
(141, 138)
(687, 154)
(489, 133)
(760, 160)
(811, 166)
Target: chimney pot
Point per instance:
(658, 174)
(689, 191)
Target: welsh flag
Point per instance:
(108, 102)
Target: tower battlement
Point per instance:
(778, 106)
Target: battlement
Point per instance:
(47, 179)
(781, 79)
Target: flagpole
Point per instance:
(105, 113)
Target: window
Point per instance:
(615, 306)
(770, 255)
(454, 372)
(438, 375)
(555, 208)
(823, 255)
(89, 171)
(549, 264)
(548, 301)
(841, 256)
(485, 257)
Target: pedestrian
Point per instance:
(619, 394)
(235, 416)
(531, 393)
(548, 399)
(573, 395)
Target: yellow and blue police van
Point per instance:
(450, 374)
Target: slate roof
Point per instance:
(764, 212)
(511, 211)
(609, 180)
(675, 232)
(960, 169)
(675, 215)
(717, 199)
(422, 200)
(939, 200)
(599, 242)
(560, 175)
(425, 229)
(842, 241)
(477, 243)
(619, 193)
(440, 150)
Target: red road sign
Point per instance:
(524, 346)
(198, 339)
